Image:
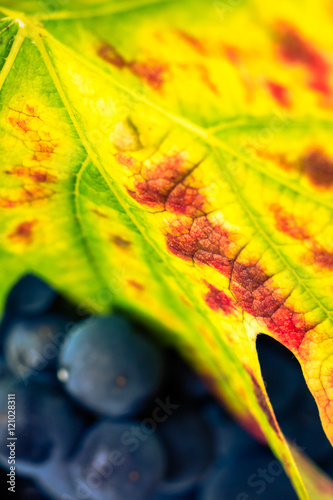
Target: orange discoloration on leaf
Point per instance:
(205, 77)
(27, 194)
(128, 161)
(32, 173)
(280, 159)
(287, 223)
(136, 285)
(217, 300)
(31, 130)
(23, 233)
(296, 229)
(152, 73)
(193, 42)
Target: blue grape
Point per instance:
(30, 296)
(54, 480)
(48, 426)
(254, 474)
(32, 345)
(190, 449)
(113, 463)
(110, 368)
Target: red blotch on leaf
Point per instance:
(152, 73)
(279, 93)
(295, 49)
(156, 181)
(217, 300)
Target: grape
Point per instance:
(117, 462)
(190, 449)
(32, 344)
(255, 474)
(55, 481)
(109, 368)
(47, 424)
(30, 296)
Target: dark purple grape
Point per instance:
(32, 345)
(116, 462)
(48, 426)
(30, 296)
(254, 474)
(109, 368)
(190, 449)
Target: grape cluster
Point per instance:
(105, 412)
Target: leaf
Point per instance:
(173, 159)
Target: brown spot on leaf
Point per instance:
(120, 242)
(319, 168)
(23, 233)
(99, 214)
(111, 56)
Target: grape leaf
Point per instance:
(173, 159)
